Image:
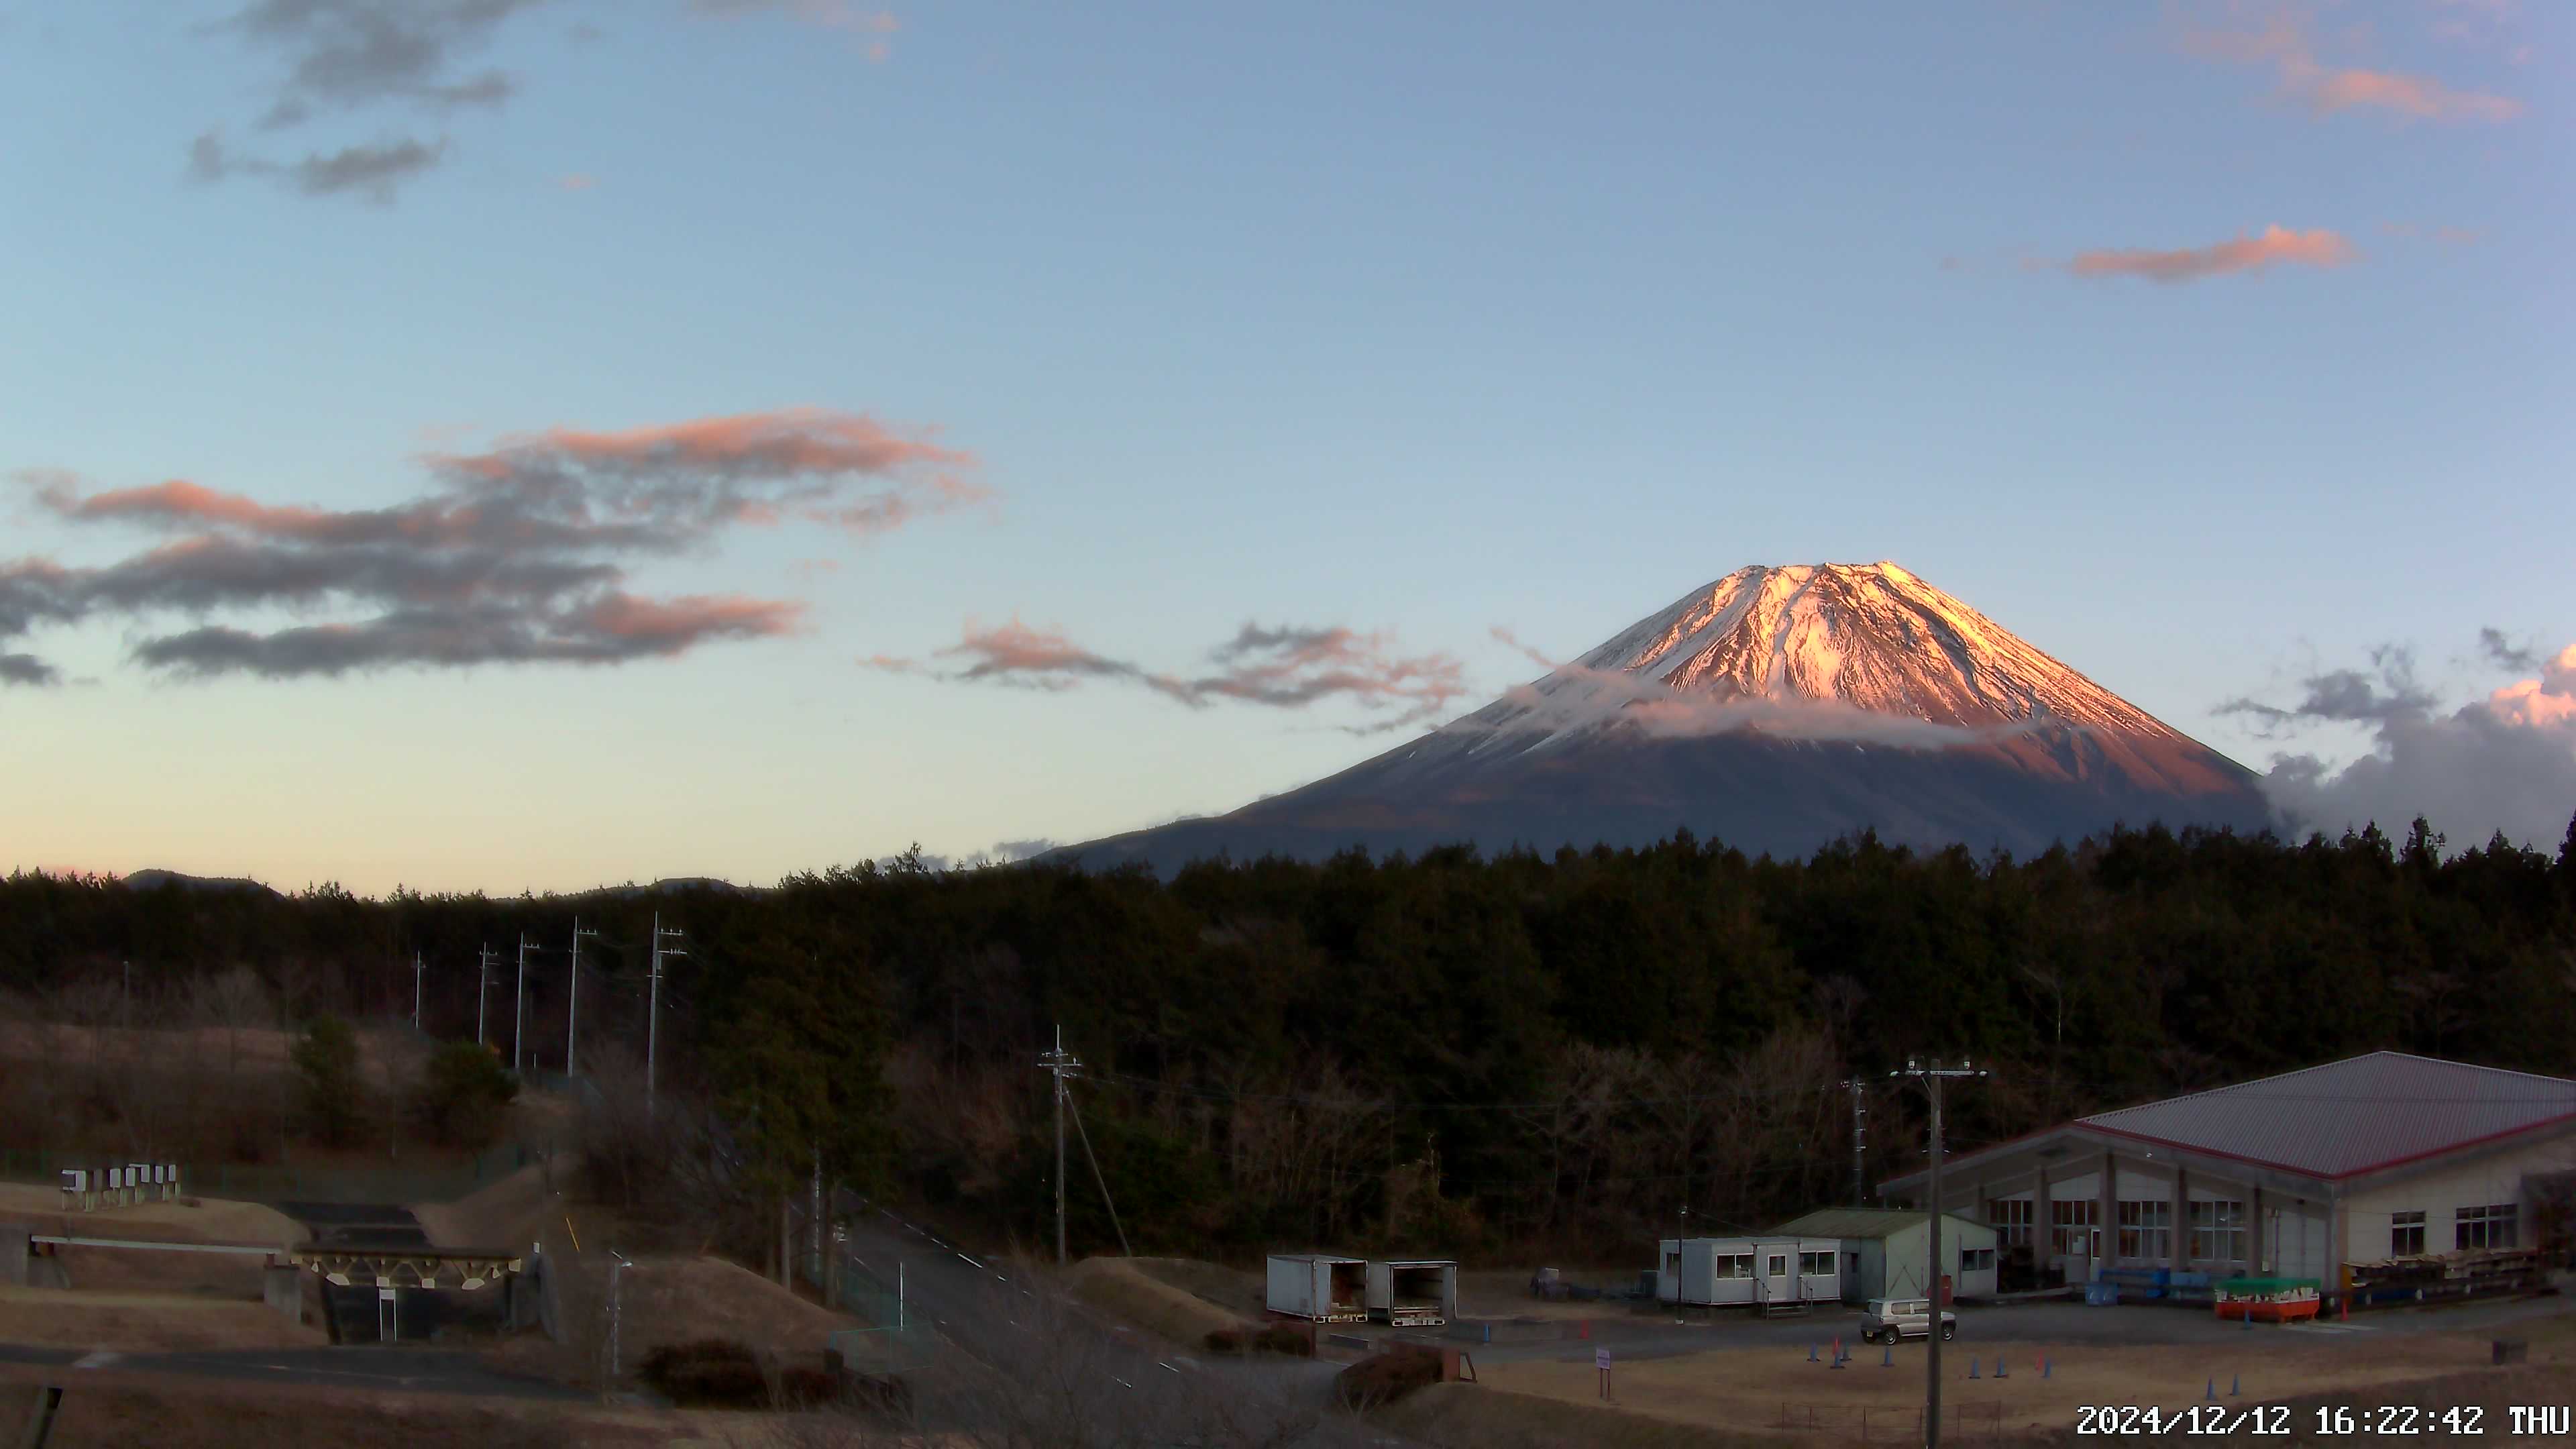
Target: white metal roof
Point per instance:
(2350, 1117)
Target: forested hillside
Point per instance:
(1535, 1053)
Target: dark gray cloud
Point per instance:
(344, 56)
(27, 669)
(373, 170)
(611, 628)
(2346, 696)
(1285, 668)
(353, 53)
(2506, 654)
(2505, 763)
(519, 555)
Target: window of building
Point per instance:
(2071, 1226)
(2011, 1220)
(2218, 1231)
(1977, 1260)
(1816, 1265)
(2405, 1234)
(1732, 1265)
(2492, 1226)
(1779, 1265)
(2146, 1229)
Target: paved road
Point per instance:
(981, 1308)
(416, 1370)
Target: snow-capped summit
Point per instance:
(1871, 636)
(1775, 709)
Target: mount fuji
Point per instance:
(1774, 710)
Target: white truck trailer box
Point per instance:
(1413, 1292)
(1319, 1286)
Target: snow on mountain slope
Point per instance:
(1871, 637)
(1776, 709)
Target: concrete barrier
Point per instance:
(281, 1286)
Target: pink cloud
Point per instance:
(789, 440)
(668, 626)
(576, 182)
(179, 500)
(2283, 41)
(518, 555)
(2274, 244)
(826, 14)
(2540, 703)
(2418, 96)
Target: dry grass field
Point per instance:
(384, 1058)
(1772, 1389)
(145, 1322)
(1125, 1290)
(187, 1220)
(511, 1213)
(1238, 1291)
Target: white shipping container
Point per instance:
(1413, 1293)
(1320, 1287)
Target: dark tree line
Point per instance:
(1534, 1051)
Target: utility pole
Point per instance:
(1063, 1064)
(572, 1018)
(1932, 1077)
(482, 989)
(519, 1009)
(1860, 1140)
(653, 1009)
(416, 969)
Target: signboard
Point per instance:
(1601, 1358)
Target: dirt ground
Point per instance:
(1504, 1293)
(138, 1322)
(108, 1408)
(1124, 1289)
(1757, 1389)
(1479, 1416)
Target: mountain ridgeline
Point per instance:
(1775, 710)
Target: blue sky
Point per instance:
(1401, 318)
